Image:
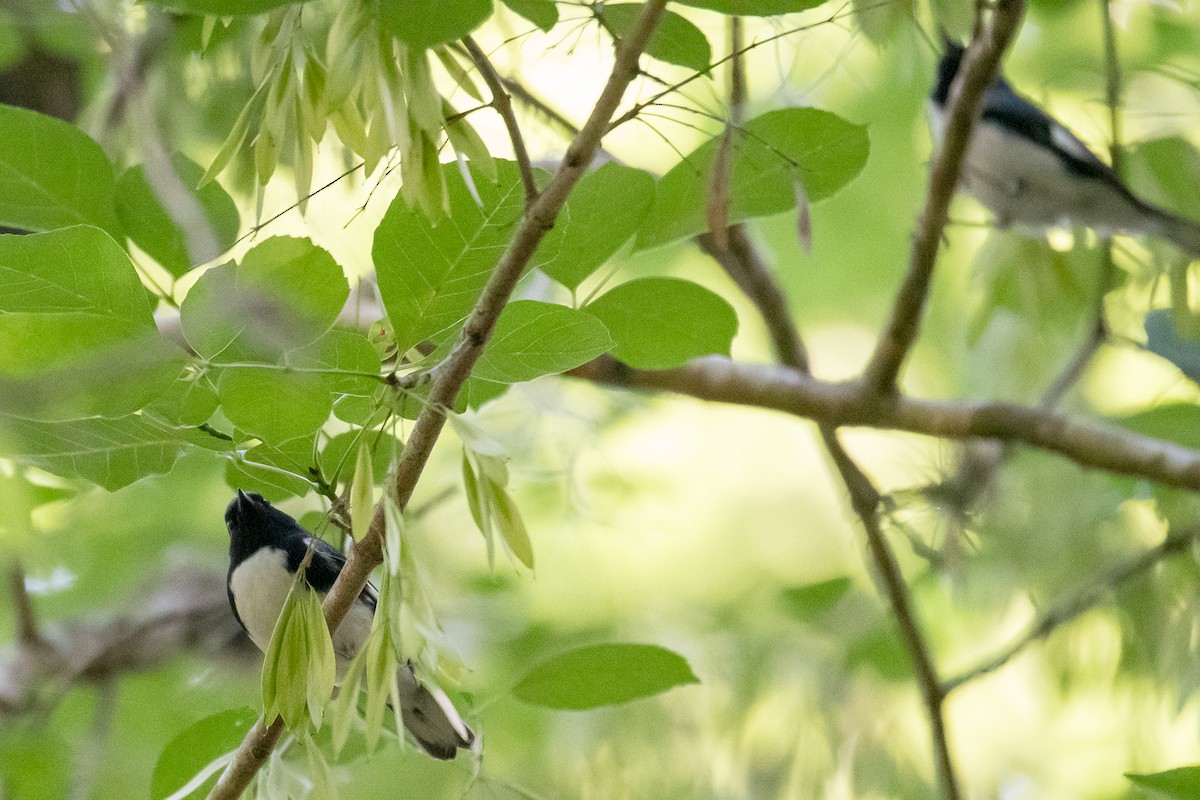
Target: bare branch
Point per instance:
(539, 218)
(1089, 444)
(1092, 595)
(979, 67)
(503, 105)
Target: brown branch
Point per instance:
(1092, 595)
(1089, 444)
(539, 218)
(979, 67)
(27, 627)
(502, 103)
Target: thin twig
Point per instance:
(978, 68)
(742, 261)
(1092, 595)
(368, 553)
(28, 632)
(503, 105)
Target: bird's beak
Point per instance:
(242, 500)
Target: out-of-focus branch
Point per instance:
(539, 218)
(979, 67)
(187, 610)
(28, 633)
(502, 103)
(1092, 595)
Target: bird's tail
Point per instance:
(430, 717)
(1184, 233)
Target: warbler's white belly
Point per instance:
(260, 587)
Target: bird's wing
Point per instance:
(1005, 107)
(326, 565)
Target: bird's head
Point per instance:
(253, 522)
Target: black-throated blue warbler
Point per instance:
(1029, 170)
(266, 547)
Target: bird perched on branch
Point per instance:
(266, 547)
(1029, 170)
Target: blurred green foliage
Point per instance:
(715, 533)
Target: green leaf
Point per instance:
(424, 23)
(1181, 783)
(1175, 422)
(224, 8)
(362, 493)
(275, 472)
(348, 356)
(543, 13)
(754, 8)
(1165, 172)
(659, 323)
(675, 41)
(607, 208)
(191, 400)
(1165, 341)
(196, 747)
(109, 452)
(154, 230)
(602, 675)
(53, 176)
(773, 152)
(336, 458)
(273, 404)
(812, 600)
(73, 313)
(286, 293)
(298, 668)
(512, 526)
(380, 675)
(532, 339)
(430, 275)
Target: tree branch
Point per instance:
(1089, 597)
(28, 633)
(503, 105)
(1089, 444)
(539, 218)
(979, 67)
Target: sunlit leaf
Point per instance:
(197, 746)
(601, 675)
(337, 457)
(362, 493)
(109, 452)
(52, 175)
(152, 228)
(675, 41)
(512, 526)
(812, 600)
(190, 400)
(607, 209)
(350, 361)
(430, 276)
(274, 471)
(770, 153)
(533, 339)
(659, 323)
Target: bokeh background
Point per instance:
(717, 532)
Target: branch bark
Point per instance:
(502, 103)
(1089, 444)
(539, 218)
(979, 67)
